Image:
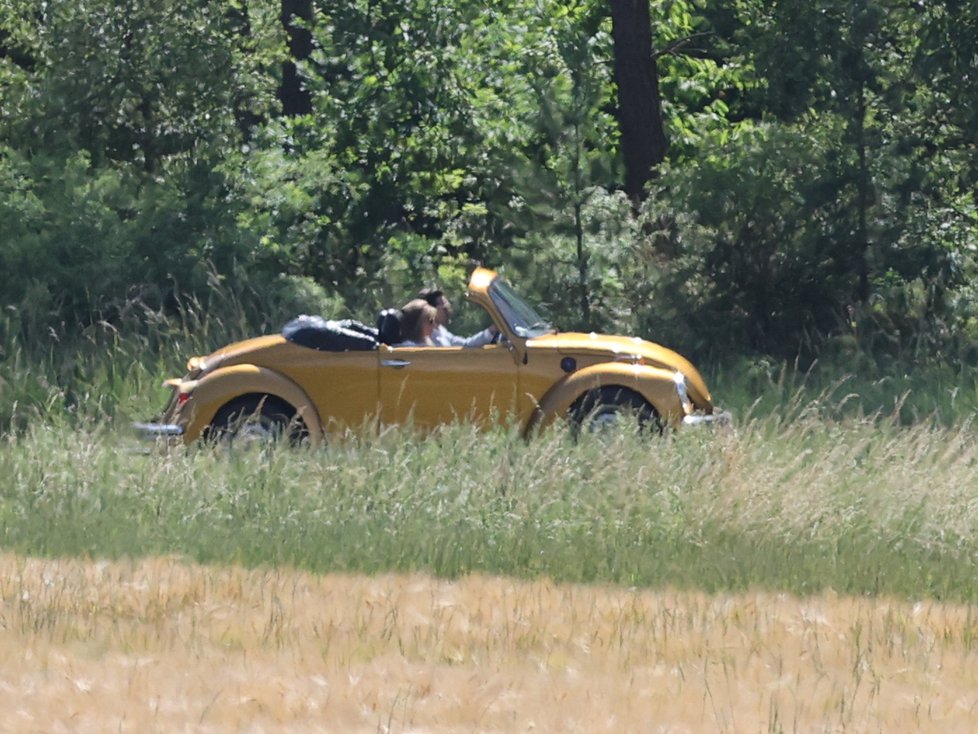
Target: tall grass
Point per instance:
(840, 388)
(110, 369)
(858, 506)
(864, 485)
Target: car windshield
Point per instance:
(521, 316)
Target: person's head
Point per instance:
(439, 300)
(418, 319)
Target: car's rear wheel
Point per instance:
(609, 409)
(256, 421)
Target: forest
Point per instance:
(788, 180)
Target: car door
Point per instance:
(342, 385)
(428, 386)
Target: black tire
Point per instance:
(256, 420)
(614, 407)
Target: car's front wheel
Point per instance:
(256, 421)
(613, 408)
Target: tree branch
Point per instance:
(676, 46)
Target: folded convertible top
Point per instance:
(325, 335)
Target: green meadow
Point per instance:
(862, 486)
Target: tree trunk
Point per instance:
(295, 98)
(863, 195)
(643, 139)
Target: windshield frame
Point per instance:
(521, 318)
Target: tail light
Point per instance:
(182, 388)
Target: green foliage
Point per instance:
(826, 198)
(111, 369)
(82, 238)
(107, 171)
(819, 187)
(439, 131)
(547, 266)
(747, 246)
(700, 76)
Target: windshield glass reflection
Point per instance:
(522, 318)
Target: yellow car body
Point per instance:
(533, 375)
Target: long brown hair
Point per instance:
(413, 318)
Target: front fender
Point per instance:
(210, 393)
(655, 385)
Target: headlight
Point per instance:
(679, 379)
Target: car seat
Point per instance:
(389, 326)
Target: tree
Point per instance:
(440, 132)
(643, 139)
(876, 230)
(111, 160)
(297, 19)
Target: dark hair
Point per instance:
(431, 295)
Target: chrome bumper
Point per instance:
(716, 418)
(157, 431)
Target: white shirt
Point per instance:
(412, 343)
(442, 337)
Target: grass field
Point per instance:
(860, 506)
(161, 645)
(813, 569)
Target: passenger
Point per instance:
(418, 319)
(442, 337)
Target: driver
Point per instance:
(442, 337)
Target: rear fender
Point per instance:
(655, 385)
(210, 393)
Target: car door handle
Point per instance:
(397, 364)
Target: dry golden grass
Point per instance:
(164, 646)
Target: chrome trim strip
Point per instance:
(158, 430)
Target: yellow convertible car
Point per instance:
(319, 377)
